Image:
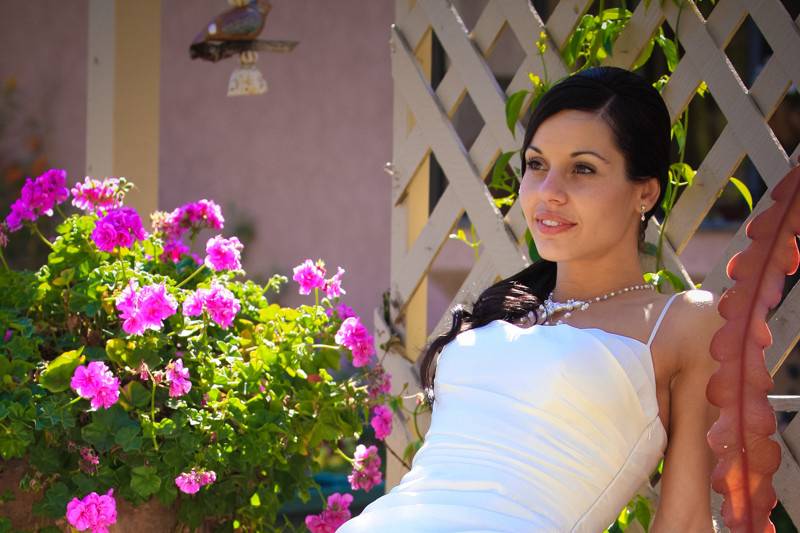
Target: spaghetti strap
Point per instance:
(660, 318)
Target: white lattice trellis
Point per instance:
(423, 125)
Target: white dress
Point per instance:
(545, 428)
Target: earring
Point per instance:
(642, 213)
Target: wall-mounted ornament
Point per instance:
(234, 32)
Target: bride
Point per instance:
(554, 399)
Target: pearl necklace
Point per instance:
(550, 307)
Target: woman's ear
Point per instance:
(649, 191)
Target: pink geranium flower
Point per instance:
(366, 468)
(191, 482)
(174, 249)
(95, 382)
(381, 421)
(343, 310)
(220, 304)
(95, 196)
(178, 377)
(310, 275)
(380, 382)
(223, 254)
(146, 308)
(119, 227)
(333, 286)
(193, 216)
(38, 197)
(93, 512)
(336, 514)
(353, 335)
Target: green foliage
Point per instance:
(266, 392)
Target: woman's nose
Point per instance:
(552, 186)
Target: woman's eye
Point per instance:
(535, 164)
(531, 164)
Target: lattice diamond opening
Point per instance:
(748, 51)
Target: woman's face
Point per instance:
(574, 171)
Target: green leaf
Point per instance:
(742, 188)
(54, 503)
(499, 170)
(670, 51)
(14, 439)
(117, 350)
(145, 481)
(98, 435)
(642, 512)
(56, 376)
(644, 55)
(255, 501)
(134, 394)
(513, 107)
(129, 438)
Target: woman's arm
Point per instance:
(684, 503)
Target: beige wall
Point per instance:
(43, 46)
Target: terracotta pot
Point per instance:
(148, 517)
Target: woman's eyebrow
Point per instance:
(573, 154)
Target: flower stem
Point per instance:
(193, 274)
(321, 496)
(73, 401)
(331, 346)
(408, 467)
(153, 408)
(340, 452)
(60, 212)
(316, 295)
(36, 230)
(3, 259)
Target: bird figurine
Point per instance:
(236, 31)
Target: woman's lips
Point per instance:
(552, 230)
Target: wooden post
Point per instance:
(122, 130)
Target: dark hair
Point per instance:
(636, 113)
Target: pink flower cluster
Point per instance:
(93, 512)
(174, 250)
(95, 196)
(381, 421)
(220, 304)
(38, 197)
(189, 217)
(119, 227)
(353, 335)
(342, 309)
(191, 482)
(223, 254)
(146, 308)
(193, 216)
(89, 460)
(380, 382)
(366, 468)
(336, 513)
(95, 382)
(333, 286)
(178, 377)
(311, 276)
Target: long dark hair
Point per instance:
(636, 113)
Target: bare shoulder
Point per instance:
(696, 321)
